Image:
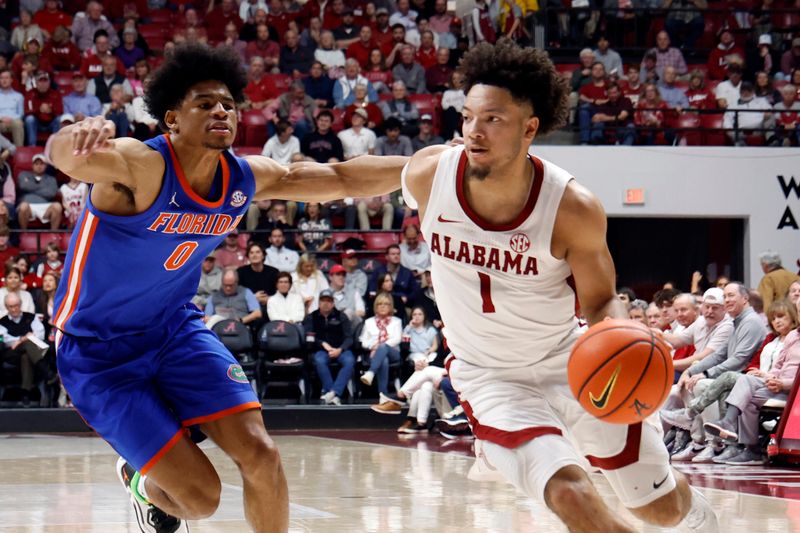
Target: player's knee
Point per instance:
(23, 207)
(202, 501)
(56, 208)
(667, 511)
(567, 492)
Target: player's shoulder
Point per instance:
(579, 203)
(423, 163)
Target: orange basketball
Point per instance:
(620, 371)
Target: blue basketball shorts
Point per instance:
(141, 392)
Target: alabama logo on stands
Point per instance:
(238, 198)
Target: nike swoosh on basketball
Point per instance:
(447, 221)
(601, 402)
(657, 485)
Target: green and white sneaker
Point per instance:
(150, 518)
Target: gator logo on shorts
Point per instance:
(236, 374)
(238, 198)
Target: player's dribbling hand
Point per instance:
(92, 135)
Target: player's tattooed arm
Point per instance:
(580, 237)
(363, 176)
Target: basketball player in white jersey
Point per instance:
(506, 232)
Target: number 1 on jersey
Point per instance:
(486, 292)
(180, 255)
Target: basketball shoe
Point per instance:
(150, 518)
(481, 470)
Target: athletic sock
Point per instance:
(138, 488)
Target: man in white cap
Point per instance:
(358, 139)
(726, 362)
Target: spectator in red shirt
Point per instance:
(279, 18)
(377, 73)
(7, 251)
(591, 95)
(43, 106)
(426, 53)
(393, 50)
(50, 17)
(361, 49)
(32, 48)
(62, 53)
(719, 57)
(92, 65)
(334, 18)
(374, 113)
(632, 86)
(314, 8)
(437, 77)
(650, 114)
(260, 90)
(382, 32)
(700, 97)
(264, 47)
(226, 12)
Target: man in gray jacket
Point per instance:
(38, 192)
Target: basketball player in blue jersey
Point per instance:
(507, 230)
(133, 353)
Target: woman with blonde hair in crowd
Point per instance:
(381, 335)
(308, 282)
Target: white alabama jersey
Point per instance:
(504, 299)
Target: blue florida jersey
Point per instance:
(128, 274)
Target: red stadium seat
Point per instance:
(243, 151)
(32, 242)
(338, 119)
(160, 16)
(65, 238)
(281, 81)
(687, 126)
(64, 81)
(156, 43)
(23, 159)
(380, 240)
(341, 236)
(713, 135)
(255, 128)
(385, 97)
(154, 30)
(427, 104)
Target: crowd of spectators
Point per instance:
(731, 354)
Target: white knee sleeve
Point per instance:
(530, 466)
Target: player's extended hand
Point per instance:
(92, 135)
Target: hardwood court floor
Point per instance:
(347, 482)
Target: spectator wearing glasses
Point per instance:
(17, 328)
(285, 304)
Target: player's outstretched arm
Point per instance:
(88, 151)
(580, 231)
(315, 182)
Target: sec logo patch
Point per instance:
(238, 198)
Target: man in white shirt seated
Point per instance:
(346, 298)
(414, 253)
(278, 255)
(283, 145)
(750, 116)
(358, 140)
